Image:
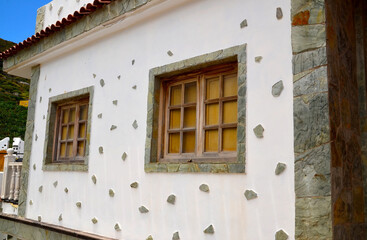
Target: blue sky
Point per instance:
(18, 18)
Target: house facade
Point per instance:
(192, 120)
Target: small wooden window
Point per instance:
(71, 131)
(198, 120)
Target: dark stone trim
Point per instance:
(312, 148)
(34, 230)
(47, 164)
(28, 138)
(237, 53)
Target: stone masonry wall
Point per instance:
(311, 121)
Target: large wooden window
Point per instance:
(71, 131)
(199, 115)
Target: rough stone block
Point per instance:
(176, 236)
(250, 194)
(280, 168)
(281, 235)
(171, 199)
(277, 89)
(143, 209)
(279, 13)
(314, 82)
(259, 131)
(204, 187)
(209, 230)
(308, 37)
(243, 24)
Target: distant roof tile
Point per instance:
(88, 9)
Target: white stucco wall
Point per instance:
(58, 9)
(194, 28)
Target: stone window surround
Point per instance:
(48, 164)
(237, 53)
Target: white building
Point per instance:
(179, 119)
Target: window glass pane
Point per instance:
(175, 118)
(212, 114)
(72, 115)
(83, 112)
(212, 88)
(175, 95)
(71, 132)
(230, 85)
(81, 148)
(211, 140)
(190, 92)
(229, 140)
(65, 115)
(81, 133)
(190, 117)
(230, 112)
(63, 133)
(69, 149)
(188, 142)
(62, 149)
(174, 143)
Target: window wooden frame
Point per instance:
(200, 78)
(51, 161)
(76, 123)
(154, 162)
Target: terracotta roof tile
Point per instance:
(88, 9)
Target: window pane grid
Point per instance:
(205, 124)
(72, 132)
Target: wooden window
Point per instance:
(198, 120)
(71, 131)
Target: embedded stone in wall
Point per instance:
(78, 204)
(40, 99)
(171, 199)
(149, 237)
(124, 156)
(60, 217)
(36, 138)
(55, 184)
(281, 235)
(59, 11)
(49, 90)
(280, 168)
(101, 82)
(279, 13)
(176, 236)
(94, 75)
(30, 202)
(250, 194)
(169, 53)
(143, 209)
(94, 179)
(259, 131)
(117, 227)
(100, 149)
(209, 230)
(99, 115)
(39, 218)
(135, 124)
(243, 24)
(204, 187)
(44, 116)
(118, 77)
(94, 220)
(258, 59)
(40, 188)
(113, 127)
(111, 192)
(133, 62)
(134, 185)
(50, 7)
(134, 87)
(34, 166)
(66, 190)
(114, 102)
(277, 88)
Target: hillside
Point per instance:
(12, 89)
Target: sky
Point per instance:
(18, 18)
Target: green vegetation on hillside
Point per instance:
(12, 89)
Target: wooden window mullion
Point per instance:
(220, 113)
(182, 116)
(59, 134)
(200, 112)
(76, 130)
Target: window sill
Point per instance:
(195, 167)
(71, 167)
